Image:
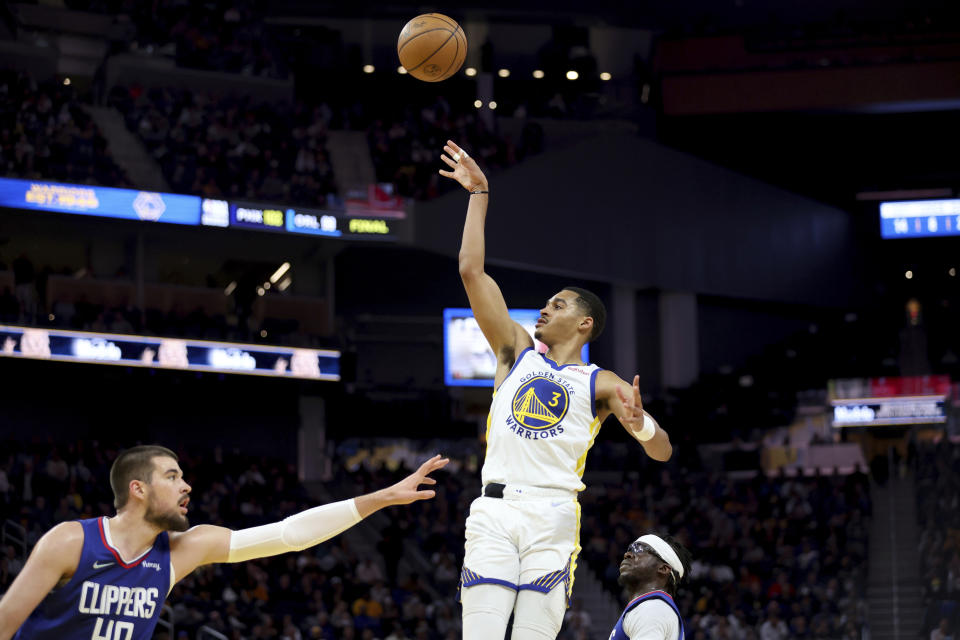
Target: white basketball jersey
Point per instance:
(542, 421)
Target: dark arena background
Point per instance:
(222, 229)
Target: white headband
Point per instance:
(664, 550)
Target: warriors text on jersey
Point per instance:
(107, 598)
(542, 421)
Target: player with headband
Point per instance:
(522, 535)
(107, 578)
(651, 570)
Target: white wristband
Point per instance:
(295, 533)
(649, 428)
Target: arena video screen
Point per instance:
(468, 361)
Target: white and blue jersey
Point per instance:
(525, 534)
(620, 633)
(107, 598)
(542, 421)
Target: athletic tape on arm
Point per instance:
(649, 428)
(295, 533)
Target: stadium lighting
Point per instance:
(537, 73)
(908, 275)
(478, 103)
(952, 272)
(504, 73)
(368, 68)
(470, 71)
(261, 291)
(285, 283)
(605, 76)
(572, 75)
(401, 70)
(66, 82)
(282, 269)
(263, 333)
(493, 104)
(230, 288)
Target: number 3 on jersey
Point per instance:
(555, 400)
(115, 630)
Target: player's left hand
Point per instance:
(632, 417)
(405, 491)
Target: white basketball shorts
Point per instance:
(523, 541)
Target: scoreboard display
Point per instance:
(173, 208)
(920, 218)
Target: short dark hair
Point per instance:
(593, 307)
(685, 559)
(135, 463)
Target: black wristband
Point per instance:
(474, 193)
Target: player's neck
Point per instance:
(646, 587)
(565, 353)
(131, 535)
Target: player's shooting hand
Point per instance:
(464, 168)
(406, 491)
(632, 417)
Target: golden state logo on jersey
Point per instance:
(540, 403)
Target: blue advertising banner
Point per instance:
(126, 204)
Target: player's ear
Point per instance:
(137, 489)
(587, 324)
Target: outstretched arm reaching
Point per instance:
(505, 337)
(207, 544)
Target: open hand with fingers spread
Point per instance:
(464, 169)
(632, 417)
(405, 491)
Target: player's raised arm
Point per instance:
(505, 336)
(52, 561)
(208, 544)
(615, 396)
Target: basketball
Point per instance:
(432, 47)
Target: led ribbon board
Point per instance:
(150, 206)
(869, 402)
(36, 343)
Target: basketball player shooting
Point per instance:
(522, 534)
(107, 578)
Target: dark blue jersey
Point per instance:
(107, 598)
(619, 634)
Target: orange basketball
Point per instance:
(432, 47)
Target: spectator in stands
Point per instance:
(25, 285)
(46, 134)
(942, 632)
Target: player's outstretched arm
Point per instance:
(504, 336)
(616, 396)
(208, 544)
(53, 558)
